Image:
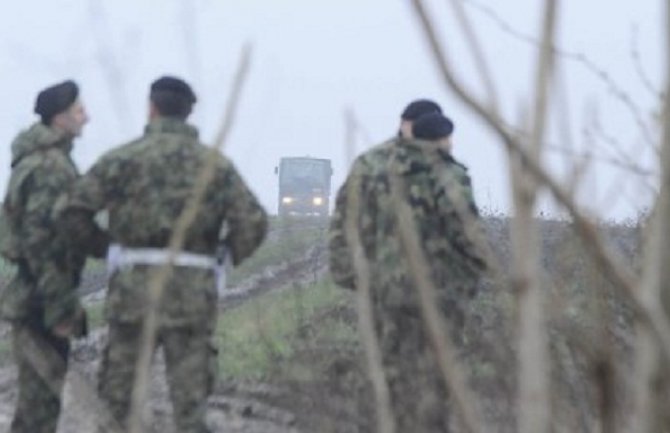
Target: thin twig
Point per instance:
(110, 64)
(637, 61)
(614, 143)
(579, 58)
(476, 49)
(188, 16)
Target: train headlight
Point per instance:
(317, 201)
(287, 200)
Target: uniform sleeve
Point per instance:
(468, 196)
(341, 264)
(76, 211)
(247, 220)
(44, 248)
(456, 202)
(40, 192)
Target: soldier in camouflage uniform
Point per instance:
(437, 189)
(144, 186)
(41, 300)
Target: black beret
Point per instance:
(433, 126)
(418, 108)
(55, 99)
(174, 85)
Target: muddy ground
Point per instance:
(324, 388)
(272, 406)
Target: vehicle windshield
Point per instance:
(304, 174)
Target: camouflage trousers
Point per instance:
(419, 398)
(41, 360)
(190, 360)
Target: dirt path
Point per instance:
(227, 413)
(234, 407)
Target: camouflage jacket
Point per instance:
(144, 186)
(438, 191)
(48, 271)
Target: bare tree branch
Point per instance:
(189, 20)
(477, 52)
(534, 405)
(637, 61)
(580, 58)
(648, 409)
(619, 274)
(110, 64)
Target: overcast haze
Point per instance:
(313, 59)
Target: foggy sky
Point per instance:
(313, 59)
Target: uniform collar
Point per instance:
(415, 154)
(170, 125)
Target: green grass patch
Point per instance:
(95, 265)
(289, 238)
(96, 314)
(256, 337)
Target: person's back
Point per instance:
(150, 181)
(436, 190)
(429, 175)
(146, 185)
(369, 165)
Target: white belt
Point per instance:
(120, 257)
